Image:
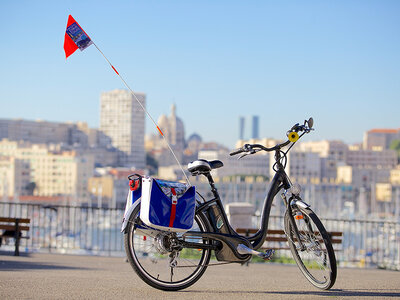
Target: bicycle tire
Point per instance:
(150, 262)
(317, 261)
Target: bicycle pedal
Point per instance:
(267, 255)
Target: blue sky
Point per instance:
(338, 61)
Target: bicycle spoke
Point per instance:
(159, 259)
(314, 260)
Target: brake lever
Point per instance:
(295, 127)
(243, 155)
(251, 151)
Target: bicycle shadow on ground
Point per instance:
(14, 265)
(330, 293)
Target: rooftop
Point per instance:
(378, 130)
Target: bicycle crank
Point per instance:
(267, 255)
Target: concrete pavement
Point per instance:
(54, 276)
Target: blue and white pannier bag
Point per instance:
(167, 205)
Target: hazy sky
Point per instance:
(338, 61)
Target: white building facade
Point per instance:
(53, 172)
(377, 158)
(331, 153)
(14, 177)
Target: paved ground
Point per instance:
(52, 276)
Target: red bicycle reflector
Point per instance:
(299, 217)
(144, 238)
(133, 185)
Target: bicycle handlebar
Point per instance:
(237, 151)
(251, 149)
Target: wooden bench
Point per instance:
(13, 229)
(277, 238)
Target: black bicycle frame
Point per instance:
(279, 181)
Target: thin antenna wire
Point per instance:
(144, 109)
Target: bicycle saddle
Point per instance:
(202, 166)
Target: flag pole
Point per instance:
(148, 114)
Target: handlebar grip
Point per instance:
(237, 151)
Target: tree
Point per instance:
(395, 145)
(30, 188)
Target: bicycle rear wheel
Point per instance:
(316, 259)
(150, 254)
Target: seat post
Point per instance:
(212, 184)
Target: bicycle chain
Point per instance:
(207, 265)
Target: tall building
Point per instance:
(255, 128)
(254, 134)
(123, 120)
(241, 128)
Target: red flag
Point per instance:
(75, 37)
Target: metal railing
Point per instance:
(365, 243)
(96, 231)
(370, 243)
(69, 229)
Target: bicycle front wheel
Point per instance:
(314, 255)
(150, 255)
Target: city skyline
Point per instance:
(337, 62)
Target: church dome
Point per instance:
(163, 122)
(173, 128)
(179, 125)
(195, 138)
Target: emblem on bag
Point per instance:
(220, 222)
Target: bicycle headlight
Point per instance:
(293, 136)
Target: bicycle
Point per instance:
(173, 261)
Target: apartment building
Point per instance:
(304, 167)
(14, 177)
(43, 132)
(110, 186)
(395, 176)
(380, 138)
(332, 154)
(376, 158)
(53, 172)
(252, 165)
(362, 176)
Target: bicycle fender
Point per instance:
(130, 206)
(299, 203)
